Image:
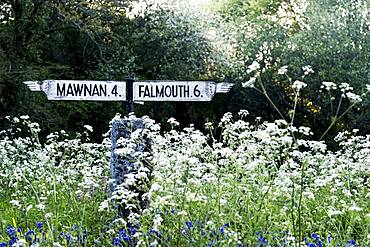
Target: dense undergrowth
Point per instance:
(261, 184)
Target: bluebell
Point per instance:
(10, 231)
(39, 225)
(189, 224)
(117, 242)
(29, 235)
(315, 236)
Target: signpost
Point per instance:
(80, 90)
(178, 90)
(130, 91)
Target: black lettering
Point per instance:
(103, 90)
(167, 91)
(151, 91)
(87, 89)
(61, 91)
(77, 89)
(180, 90)
(70, 90)
(174, 91)
(159, 93)
(146, 92)
(186, 91)
(95, 90)
(141, 90)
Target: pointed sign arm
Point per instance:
(223, 87)
(34, 86)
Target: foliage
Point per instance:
(257, 178)
(257, 185)
(308, 33)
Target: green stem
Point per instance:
(292, 215)
(300, 204)
(264, 92)
(336, 119)
(294, 108)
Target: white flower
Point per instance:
(345, 87)
(354, 208)
(15, 203)
(254, 66)
(305, 130)
(368, 87)
(283, 70)
(309, 195)
(328, 85)
(307, 70)
(243, 113)
(88, 127)
(40, 207)
(25, 117)
(48, 215)
(28, 207)
(249, 83)
(226, 118)
(353, 98)
(208, 126)
(172, 121)
(157, 222)
(332, 212)
(298, 85)
(22, 242)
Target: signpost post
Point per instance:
(130, 91)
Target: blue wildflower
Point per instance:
(19, 229)
(172, 211)
(3, 244)
(311, 245)
(132, 230)
(10, 231)
(39, 225)
(29, 235)
(329, 238)
(351, 243)
(315, 236)
(203, 233)
(12, 241)
(189, 224)
(227, 225)
(68, 236)
(117, 242)
(159, 234)
(74, 227)
(84, 236)
(123, 234)
(262, 240)
(222, 230)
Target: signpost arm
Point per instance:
(130, 94)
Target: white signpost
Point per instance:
(130, 91)
(141, 90)
(178, 90)
(80, 90)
